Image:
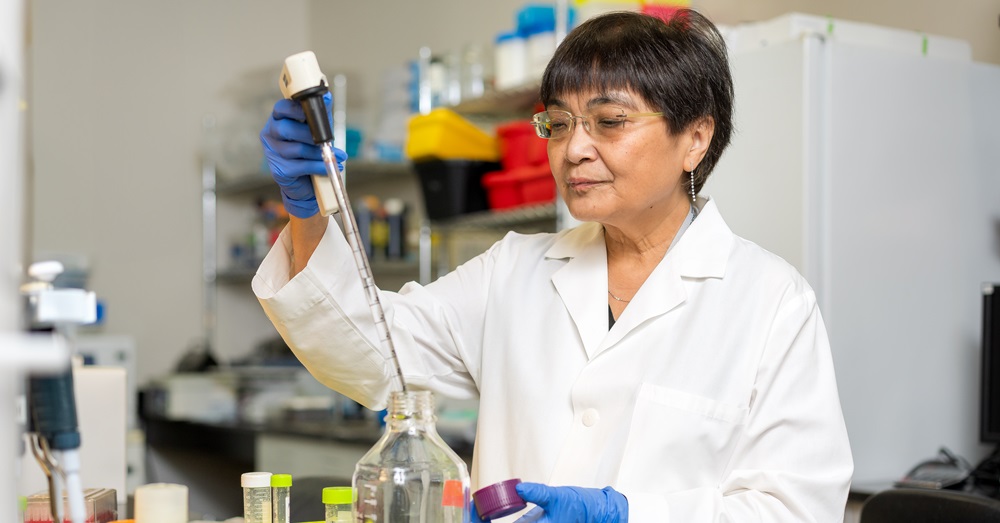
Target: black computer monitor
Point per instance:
(989, 414)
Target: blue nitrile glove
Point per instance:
(475, 512)
(293, 157)
(573, 504)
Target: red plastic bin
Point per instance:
(537, 184)
(503, 190)
(520, 146)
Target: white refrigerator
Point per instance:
(869, 158)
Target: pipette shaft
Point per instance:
(301, 80)
(360, 257)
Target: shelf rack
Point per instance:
(505, 218)
(365, 171)
(516, 100)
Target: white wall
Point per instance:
(119, 92)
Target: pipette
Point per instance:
(302, 81)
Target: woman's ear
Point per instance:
(700, 133)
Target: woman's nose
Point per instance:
(580, 144)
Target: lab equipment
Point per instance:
(256, 497)
(498, 500)
(101, 506)
(55, 440)
(338, 502)
(281, 489)
(395, 219)
(161, 503)
(576, 504)
(302, 81)
(411, 475)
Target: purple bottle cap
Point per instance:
(498, 500)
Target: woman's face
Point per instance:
(620, 175)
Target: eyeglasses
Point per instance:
(606, 122)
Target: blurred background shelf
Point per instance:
(380, 268)
(515, 101)
(357, 172)
(527, 215)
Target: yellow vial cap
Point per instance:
(338, 496)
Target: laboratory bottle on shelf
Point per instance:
(338, 502)
(411, 475)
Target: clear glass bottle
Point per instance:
(410, 475)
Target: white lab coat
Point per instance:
(712, 398)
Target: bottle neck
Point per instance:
(411, 410)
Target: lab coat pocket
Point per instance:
(678, 440)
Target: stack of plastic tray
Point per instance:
(450, 156)
(444, 135)
(525, 178)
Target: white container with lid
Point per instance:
(540, 47)
(256, 497)
(510, 61)
(161, 503)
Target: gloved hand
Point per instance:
(475, 512)
(293, 157)
(572, 504)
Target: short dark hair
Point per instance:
(679, 66)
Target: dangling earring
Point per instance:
(692, 187)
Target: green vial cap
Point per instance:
(338, 496)
(281, 480)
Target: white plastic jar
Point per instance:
(510, 61)
(540, 47)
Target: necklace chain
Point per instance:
(616, 297)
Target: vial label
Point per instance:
(257, 505)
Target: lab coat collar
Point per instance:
(706, 244)
(581, 283)
(702, 252)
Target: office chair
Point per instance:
(307, 496)
(929, 506)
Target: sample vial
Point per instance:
(281, 489)
(338, 501)
(256, 497)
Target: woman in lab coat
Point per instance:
(646, 366)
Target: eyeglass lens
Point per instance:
(606, 122)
